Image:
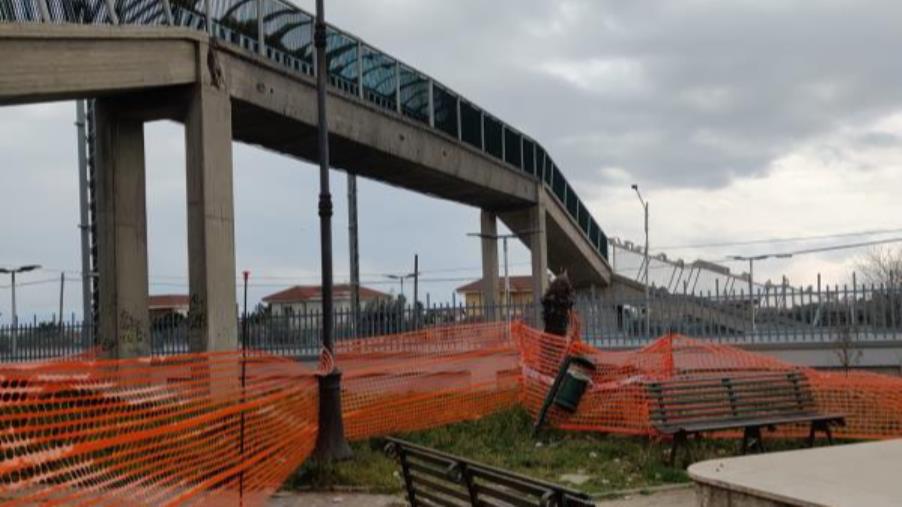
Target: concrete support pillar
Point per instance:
(124, 327)
(489, 230)
(213, 315)
(538, 246)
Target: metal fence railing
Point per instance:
(295, 335)
(836, 315)
(778, 314)
(283, 33)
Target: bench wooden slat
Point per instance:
(719, 425)
(486, 489)
(510, 482)
(421, 493)
(449, 489)
(764, 406)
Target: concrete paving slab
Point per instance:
(838, 476)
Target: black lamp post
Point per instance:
(330, 440)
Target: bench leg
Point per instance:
(751, 440)
(679, 438)
(820, 426)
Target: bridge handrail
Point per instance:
(283, 33)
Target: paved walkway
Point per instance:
(684, 497)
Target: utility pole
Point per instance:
(81, 123)
(62, 291)
(330, 440)
(645, 264)
(416, 290)
(244, 323)
(353, 247)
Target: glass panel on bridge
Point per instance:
(558, 185)
(470, 124)
(67, 11)
(529, 159)
(493, 136)
(150, 12)
(571, 200)
(541, 162)
(341, 55)
(513, 154)
(380, 78)
(445, 110)
(414, 94)
(583, 217)
(22, 10)
(288, 36)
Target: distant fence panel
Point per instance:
(779, 314)
(286, 334)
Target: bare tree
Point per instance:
(881, 265)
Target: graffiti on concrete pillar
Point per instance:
(131, 331)
(197, 313)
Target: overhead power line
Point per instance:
(790, 239)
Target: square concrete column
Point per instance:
(213, 314)
(489, 230)
(124, 321)
(538, 246)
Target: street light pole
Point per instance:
(330, 440)
(12, 273)
(647, 293)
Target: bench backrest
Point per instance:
(433, 478)
(739, 397)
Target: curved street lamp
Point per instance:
(12, 272)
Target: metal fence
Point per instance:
(295, 335)
(833, 315)
(283, 33)
(777, 314)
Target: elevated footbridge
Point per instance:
(185, 60)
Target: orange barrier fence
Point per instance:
(228, 429)
(616, 400)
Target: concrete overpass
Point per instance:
(248, 76)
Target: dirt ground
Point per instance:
(682, 497)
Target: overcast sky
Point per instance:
(740, 120)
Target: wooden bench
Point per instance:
(436, 479)
(691, 406)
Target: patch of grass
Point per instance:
(505, 440)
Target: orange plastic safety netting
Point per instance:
(206, 428)
(227, 429)
(616, 400)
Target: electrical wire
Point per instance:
(874, 232)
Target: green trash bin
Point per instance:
(574, 383)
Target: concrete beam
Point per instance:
(124, 327)
(570, 250)
(275, 108)
(43, 62)
(213, 317)
(489, 228)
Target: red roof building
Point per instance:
(305, 298)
